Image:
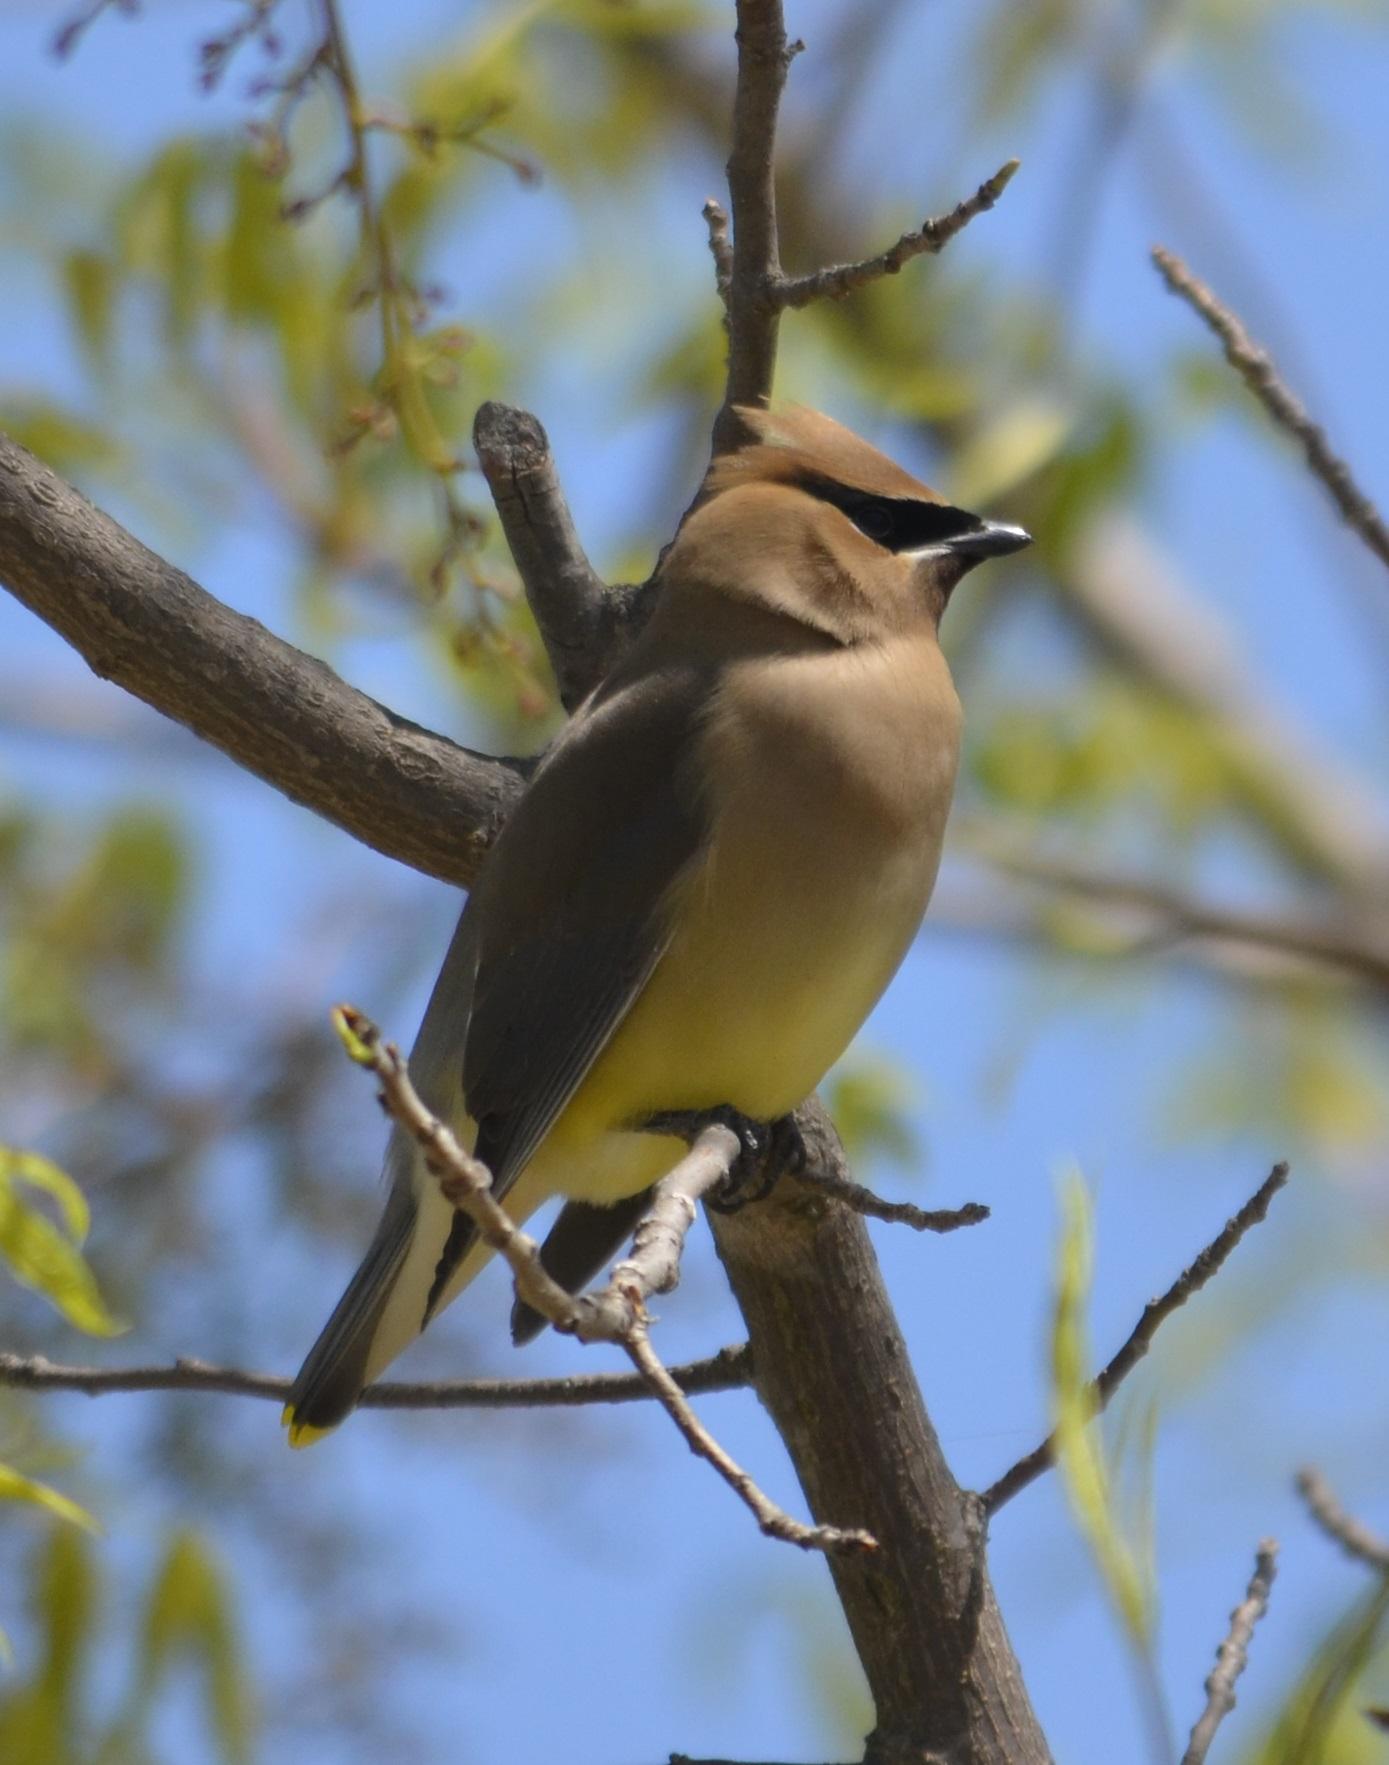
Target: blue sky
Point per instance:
(606, 1600)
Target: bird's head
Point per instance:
(813, 523)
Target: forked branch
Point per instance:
(617, 1312)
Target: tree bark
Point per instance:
(832, 1369)
(280, 713)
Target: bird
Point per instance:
(707, 884)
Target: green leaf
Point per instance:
(1084, 1471)
(869, 1103)
(189, 1615)
(15, 1486)
(43, 1255)
(1008, 448)
(90, 281)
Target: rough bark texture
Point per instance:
(585, 624)
(281, 714)
(830, 1364)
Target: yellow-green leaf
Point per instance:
(43, 1255)
(189, 1613)
(1082, 1464)
(15, 1486)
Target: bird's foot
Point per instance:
(766, 1150)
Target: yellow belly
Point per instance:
(799, 915)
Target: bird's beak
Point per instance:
(994, 539)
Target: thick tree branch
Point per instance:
(1156, 1313)
(584, 623)
(1255, 367)
(832, 1368)
(1232, 1657)
(837, 280)
(281, 714)
(728, 1370)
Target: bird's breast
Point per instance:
(827, 781)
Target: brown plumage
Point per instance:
(710, 880)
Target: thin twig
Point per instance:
(716, 219)
(774, 1521)
(1354, 1538)
(900, 1213)
(68, 35)
(834, 282)
(617, 1313)
(728, 1370)
(1255, 367)
(1232, 1657)
(1155, 1314)
(1337, 942)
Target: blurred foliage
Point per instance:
(260, 341)
(871, 1099)
(45, 1254)
(1126, 1566)
(1324, 1720)
(58, 1714)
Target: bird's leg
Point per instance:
(767, 1150)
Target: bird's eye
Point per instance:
(898, 524)
(874, 518)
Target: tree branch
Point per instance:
(728, 1370)
(764, 56)
(1156, 1313)
(281, 714)
(837, 280)
(1355, 1539)
(1334, 943)
(617, 1312)
(899, 1213)
(833, 1371)
(716, 219)
(1232, 1656)
(584, 624)
(1255, 367)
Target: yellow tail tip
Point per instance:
(301, 1434)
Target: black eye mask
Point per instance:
(898, 524)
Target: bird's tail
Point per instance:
(386, 1305)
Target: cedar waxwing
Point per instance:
(709, 881)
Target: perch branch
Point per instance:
(1255, 367)
(728, 1370)
(617, 1312)
(1156, 1313)
(1354, 1538)
(837, 280)
(1232, 1657)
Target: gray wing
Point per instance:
(570, 914)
